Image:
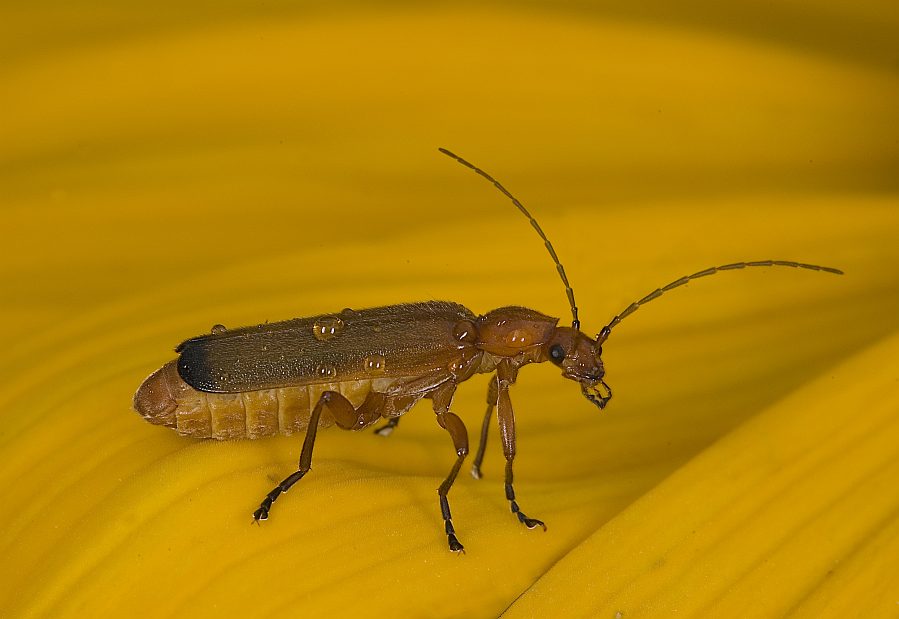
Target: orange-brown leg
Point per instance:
(452, 424)
(346, 416)
(506, 418)
(485, 429)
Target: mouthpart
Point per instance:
(597, 392)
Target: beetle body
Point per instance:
(208, 392)
(354, 368)
(166, 399)
(265, 380)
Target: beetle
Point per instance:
(353, 368)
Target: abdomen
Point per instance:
(165, 399)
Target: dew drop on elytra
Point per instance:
(374, 364)
(327, 327)
(325, 370)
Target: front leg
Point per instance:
(504, 377)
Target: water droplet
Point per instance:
(465, 331)
(218, 328)
(325, 370)
(518, 338)
(375, 364)
(327, 327)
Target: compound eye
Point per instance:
(556, 353)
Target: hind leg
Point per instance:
(347, 417)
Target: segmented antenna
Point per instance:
(655, 294)
(549, 246)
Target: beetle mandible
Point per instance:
(353, 368)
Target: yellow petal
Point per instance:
(164, 172)
(793, 512)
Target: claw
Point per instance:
(455, 545)
(533, 523)
(387, 428)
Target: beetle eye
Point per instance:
(557, 353)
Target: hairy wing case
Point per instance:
(390, 341)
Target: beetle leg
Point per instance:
(452, 424)
(506, 417)
(412, 391)
(485, 428)
(387, 428)
(346, 416)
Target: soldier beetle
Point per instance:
(353, 368)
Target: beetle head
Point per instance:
(580, 358)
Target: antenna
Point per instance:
(655, 294)
(575, 323)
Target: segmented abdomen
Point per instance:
(165, 399)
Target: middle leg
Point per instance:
(485, 429)
(457, 431)
(387, 428)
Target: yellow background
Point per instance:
(165, 167)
